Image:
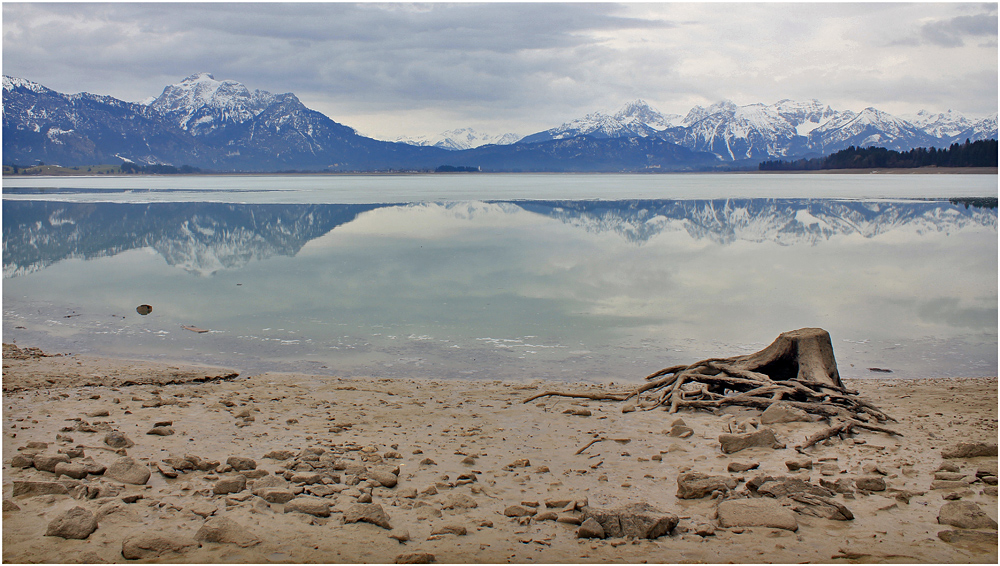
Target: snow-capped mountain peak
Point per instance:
(942, 124)
(200, 100)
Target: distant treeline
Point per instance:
(456, 169)
(982, 153)
(133, 169)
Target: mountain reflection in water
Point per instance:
(517, 288)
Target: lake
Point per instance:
(560, 277)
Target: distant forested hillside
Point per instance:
(982, 153)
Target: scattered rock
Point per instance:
(639, 520)
(460, 501)
(841, 485)
(945, 484)
(794, 465)
(21, 461)
(368, 513)
(127, 470)
(154, 543)
(737, 467)
(764, 437)
(458, 530)
(227, 531)
(756, 513)
(950, 476)
(415, 558)
(590, 529)
(783, 487)
(518, 511)
(870, 483)
(9, 506)
(970, 450)
(230, 483)
(400, 535)
(976, 541)
(819, 506)
(275, 495)
(695, 485)
(681, 431)
(384, 477)
(965, 515)
(782, 412)
(47, 462)
(315, 506)
(77, 523)
(73, 470)
(279, 454)
(240, 463)
(116, 439)
(160, 431)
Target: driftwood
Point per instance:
(798, 368)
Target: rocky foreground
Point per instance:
(110, 461)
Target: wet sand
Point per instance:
(470, 456)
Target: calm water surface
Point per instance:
(591, 277)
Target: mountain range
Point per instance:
(224, 126)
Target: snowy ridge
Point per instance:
(783, 130)
(634, 119)
(459, 139)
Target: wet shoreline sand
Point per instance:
(470, 457)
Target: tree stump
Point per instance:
(798, 368)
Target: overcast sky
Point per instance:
(389, 70)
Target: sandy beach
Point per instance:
(176, 463)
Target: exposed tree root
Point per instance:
(798, 368)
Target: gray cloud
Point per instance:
(954, 32)
(394, 69)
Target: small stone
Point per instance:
(762, 512)
(590, 529)
(965, 515)
(116, 439)
(28, 488)
(231, 483)
(781, 412)
(400, 535)
(315, 506)
(21, 461)
(517, 511)
(369, 513)
(127, 470)
(275, 495)
(634, 520)
(47, 462)
(458, 530)
(764, 437)
(829, 469)
(240, 463)
(870, 483)
(279, 454)
(77, 523)
(737, 467)
(695, 485)
(160, 431)
(227, 531)
(794, 465)
(384, 477)
(970, 450)
(415, 558)
(73, 470)
(460, 501)
(152, 544)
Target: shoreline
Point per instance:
(475, 467)
(875, 171)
